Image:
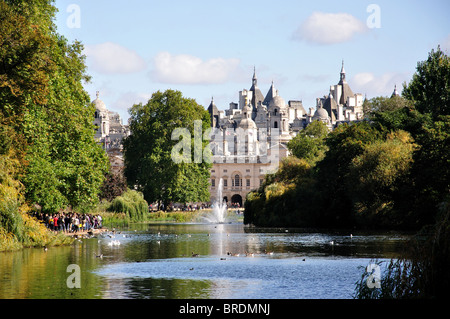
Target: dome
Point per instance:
(277, 101)
(321, 114)
(247, 123)
(99, 104)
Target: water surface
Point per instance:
(200, 261)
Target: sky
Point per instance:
(209, 49)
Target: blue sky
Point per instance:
(209, 48)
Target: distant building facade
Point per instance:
(250, 137)
(110, 132)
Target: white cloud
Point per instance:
(188, 69)
(383, 85)
(128, 99)
(110, 58)
(329, 28)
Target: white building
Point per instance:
(109, 130)
(251, 136)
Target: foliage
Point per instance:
(44, 103)
(389, 171)
(382, 104)
(332, 173)
(147, 152)
(429, 88)
(115, 184)
(132, 203)
(278, 202)
(47, 148)
(309, 143)
(422, 271)
(179, 217)
(375, 177)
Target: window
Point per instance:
(248, 182)
(275, 124)
(237, 180)
(225, 183)
(213, 183)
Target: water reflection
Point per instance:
(199, 261)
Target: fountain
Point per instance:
(219, 211)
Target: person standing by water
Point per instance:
(76, 223)
(67, 222)
(55, 222)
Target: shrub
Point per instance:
(132, 203)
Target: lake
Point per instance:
(198, 261)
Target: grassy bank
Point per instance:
(33, 234)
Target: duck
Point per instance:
(194, 255)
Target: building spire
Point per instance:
(342, 72)
(254, 80)
(395, 93)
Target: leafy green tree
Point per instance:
(385, 104)
(429, 88)
(430, 173)
(148, 151)
(344, 144)
(43, 101)
(115, 184)
(375, 177)
(287, 197)
(309, 143)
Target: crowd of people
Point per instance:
(70, 222)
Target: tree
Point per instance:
(344, 144)
(384, 104)
(429, 88)
(148, 151)
(309, 143)
(115, 184)
(43, 100)
(375, 177)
